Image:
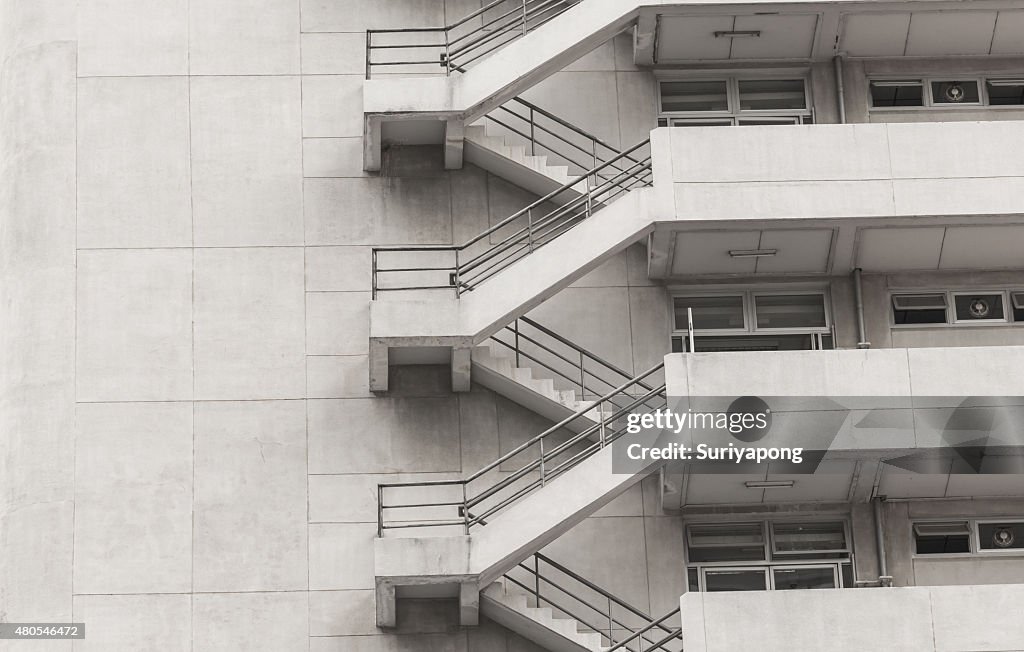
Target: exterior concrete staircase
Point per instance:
(507, 515)
(538, 624)
(461, 99)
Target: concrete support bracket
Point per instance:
(461, 362)
(386, 613)
(378, 367)
(469, 604)
(454, 139)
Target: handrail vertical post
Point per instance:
(465, 509)
(524, 17)
(611, 624)
(380, 511)
(455, 276)
(369, 38)
(516, 327)
(689, 330)
(583, 379)
(533, 136)
(529, 228)
(536, 578)
(543, 480)
(373, 274)
(447, 55)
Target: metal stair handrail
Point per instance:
(524, 121)
(539, 345)
(451, 50)
(642, 636)
(547, 456)
(463, 269)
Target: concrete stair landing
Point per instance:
(539, 625)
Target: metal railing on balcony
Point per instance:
(623, 626)
(465, 504)
(460, 44)
(464, 267)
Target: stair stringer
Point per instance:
(465, 322)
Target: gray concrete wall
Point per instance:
(190, 452)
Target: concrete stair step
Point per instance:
(538, 624)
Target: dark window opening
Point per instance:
(890, 94)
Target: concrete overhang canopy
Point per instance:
(694, 33)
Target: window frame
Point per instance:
(770, 563)
(951, 319)
(974, 537)
(749, 312)
(928, 102)
(734, 115)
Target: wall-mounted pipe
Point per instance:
(884, 579)
(858, 298)
(837, 62)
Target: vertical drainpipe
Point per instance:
(884, 579)
(837, 61)
(858, 298)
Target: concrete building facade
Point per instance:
(208, 369)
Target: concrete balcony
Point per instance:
(908, 419)
(829, 198)
(946, 618)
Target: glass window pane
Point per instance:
(1001, 536)
(955, 92)
(732, 542)
(1005, 93)
(694, 96)
(941, 544)
(790, 311)
(919, 308)
(712, 344)
(762, 122)
(978, 307)
(889, 94)
(772, 94)
(809, 537)
(1018, 306)
(735, 580)
(692, 580)
(710, 312)
(787, 579)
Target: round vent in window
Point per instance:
(955, 93)
(1003, 537)
(979, 308)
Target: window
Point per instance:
(1005, 92)
(1001, 536)
(732, 101)
(978, 307)
(890, 93)
(790, 311)
(945, 92)
(1018, 305)
(955, 92)
(710, 313)
(958, 307)
(768, 555)
(942, 538)
(753, 321)
(919, 308)
(969, 536)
